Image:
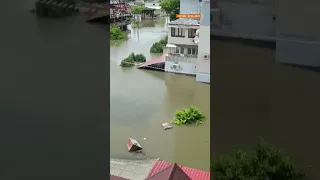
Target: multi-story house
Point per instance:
(189, 43)
(182, 46)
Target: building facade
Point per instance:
(182, 50)
(189, 7)
(203, 61)
(288, 23)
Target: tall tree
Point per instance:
(262, 163)
(170, 7)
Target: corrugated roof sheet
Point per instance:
(185, 22)
(194, 174)
(112, 177)
(173, 172)
(160, 59)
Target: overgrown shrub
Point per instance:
(263, 162)
(132, 59)
(116, 33)
(191, 115)
(158, 47)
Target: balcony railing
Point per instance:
(178, 58)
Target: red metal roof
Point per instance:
(160, 59)
(194, 174)
(173, 172)
(112, 177)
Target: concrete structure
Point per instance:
(203, 61)
(188, 42)
(189, 7)
(182, 50)
(131, 169)
(288, 23)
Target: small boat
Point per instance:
(133, 145)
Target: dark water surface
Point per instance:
(254, 96)
(53, 100)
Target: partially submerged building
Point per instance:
(188, 48)
(182, 47)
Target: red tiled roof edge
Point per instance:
(194, 174)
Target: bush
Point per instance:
(139, 58)
(132, 59)
(188, 116)
(158, 47)
(264, 162)
(116, 33)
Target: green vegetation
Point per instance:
(265, 162)
(134, 23)
(171, 8)
(158, 47)
(132, 59)
(137, 9)
(116, 33)
(189, 115)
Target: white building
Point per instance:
(189, 46)
(203, 62)
(182, 46)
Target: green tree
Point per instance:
(116, 33)
(265, 162)
(137, 9)
(170, 7)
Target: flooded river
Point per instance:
(142, 99)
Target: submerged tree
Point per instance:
(170, 7)
(265, 162)
(116, 33)
(137, 9)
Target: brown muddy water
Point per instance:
(141, 100)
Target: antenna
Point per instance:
(196, 39)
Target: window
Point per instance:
(192, 51)
(191, 33)
(177, 50)
(177, 32)
(181, 50)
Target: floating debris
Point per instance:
(166, 126)
(133, 145)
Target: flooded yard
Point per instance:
(142, 99)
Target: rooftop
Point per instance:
(193, 174)
(172, 172)
(185, 22)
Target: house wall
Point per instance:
(203, 65)
(181, 40)
(189, 7)
(186, 68)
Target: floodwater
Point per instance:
(141, 100)
(253, 96)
